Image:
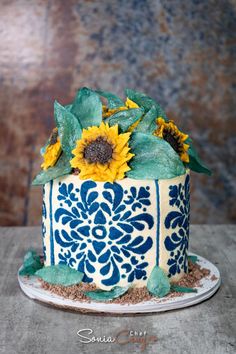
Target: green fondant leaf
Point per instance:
(148, 122)
(60, 274)
(103, 295)
(146, 102)
(87, 107)
(158, 283)
(193, 259)
(31, 263)
(61, 168)
(113, 101)
(195, 163)
(69, 107)
(154, 158)
(69, 128)
(182, 289)
(125, 119)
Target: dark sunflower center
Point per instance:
(172, 140)
(98, 150)
(53, 137)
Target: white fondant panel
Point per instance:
(174, 225)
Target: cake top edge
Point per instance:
(101, 137)
(72, 177)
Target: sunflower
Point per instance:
(106, 112)
(102, 154)
(53, 150)
(170, 133)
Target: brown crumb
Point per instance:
(74, 292)
(194, 275)
(133, 295)
(213, 277)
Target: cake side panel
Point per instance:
(116, 233)
(174, 225)
(108, 231)
(46, 226)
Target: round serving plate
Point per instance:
(31, 286)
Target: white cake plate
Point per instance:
(31, 286)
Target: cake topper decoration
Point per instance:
(132, 138)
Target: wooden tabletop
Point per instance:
(30, 327)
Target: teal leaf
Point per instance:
(193, 259)
(158, 283)
(182, 289)
(125, 119)
(69, 128)
(31, 263)
(103, 295)
(60, 274)
(195, 163)
(146, 102)
(61, 168)
(148, 122)
(69, 107)
(87, 107)
(113, 101)
(154, 158)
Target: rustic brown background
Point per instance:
(180, 52)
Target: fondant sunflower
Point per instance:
(170, 133)
(106, 112)
(102, 154)
(53, 150)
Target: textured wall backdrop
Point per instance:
(181, 52)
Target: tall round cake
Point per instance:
(115, 177)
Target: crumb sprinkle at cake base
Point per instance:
(133, 295)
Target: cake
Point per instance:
(116, 197)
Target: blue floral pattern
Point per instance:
(44, 217)
(177, 221)
(104, 230)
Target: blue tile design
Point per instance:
(105, 232)
(158, 221)
(51, 224)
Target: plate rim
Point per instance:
(35, 292)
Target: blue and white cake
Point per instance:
(115, 180)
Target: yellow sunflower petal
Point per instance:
(184, 157)
(160, 121)
(134, 125)
(51, 155)
(130, 104)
